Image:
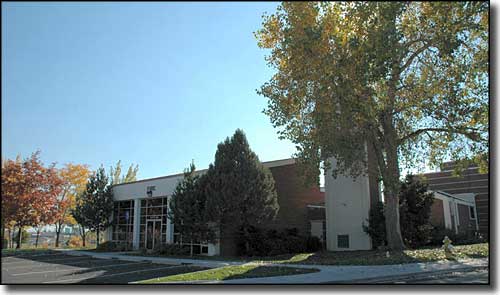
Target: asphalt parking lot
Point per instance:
(52, 267)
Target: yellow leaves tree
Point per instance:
(407, 80)
(74, 178)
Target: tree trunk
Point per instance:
(3, 234)
(11, 238)
(83, 235)
(19, 238)
(58, 232)
(391, 195)
(38, 230)
(97, 237)
(394, 239)
(191, 249)
(247, 243)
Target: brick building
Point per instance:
(471, 182)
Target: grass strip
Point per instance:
(232, 272)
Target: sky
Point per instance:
(154, 84)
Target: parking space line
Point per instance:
(44, 261)
(112, 275)
(82, 268)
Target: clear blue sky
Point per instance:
(157, 84)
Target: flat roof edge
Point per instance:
(268, 164)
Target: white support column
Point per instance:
(137, 223)
(170, 225)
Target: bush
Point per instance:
(376, 225)
(75, 242)
(112, 246)
(272, 242)
(438, 234)
(313, 244)
(172, 249)
(414, 211)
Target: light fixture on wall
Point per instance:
(149, 190)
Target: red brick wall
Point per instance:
(470, 182)
(466, 225)
(293, 198)
(437, 213)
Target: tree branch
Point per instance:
(414, 55)
(471, 135)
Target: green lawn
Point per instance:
(373, 257)
(379, 257)
(233, 272)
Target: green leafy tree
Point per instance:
(241, 190)
(188, 209)
(415, 208)
(95, 205)
(116, 173)
(406, 80)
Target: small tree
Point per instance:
(116, 177)
(188, 209)
(96, 206)
(29, 192)
(415, 208)
(74, 181)
(241, 190)
(79, 217)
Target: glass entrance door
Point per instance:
(153, 234)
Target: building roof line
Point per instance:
(268, 164)
(453, 197)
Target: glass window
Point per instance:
(123, 215)
(472, 213)
(154, 209)
(204, 250)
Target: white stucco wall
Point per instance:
(137, 190)
(347, 203)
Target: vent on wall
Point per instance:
(343, 241)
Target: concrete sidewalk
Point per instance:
(349, 274)
(356, 274)
(161, 260)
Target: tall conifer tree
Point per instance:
(241, 190)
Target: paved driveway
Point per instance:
(53, 267)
